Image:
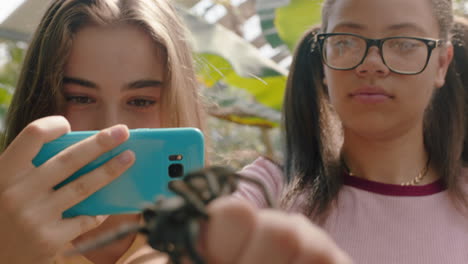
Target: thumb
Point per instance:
(227, 231)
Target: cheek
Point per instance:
(336, 85)
(419, 91)
(143, 120)
(135, 117)
(418, 101)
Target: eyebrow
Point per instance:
(130, 86)
(80, 82)
(144, 83)
(408, 26)
(412, 26)
(350, 25)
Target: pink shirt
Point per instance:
(382, 223)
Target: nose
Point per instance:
(108, 117)
(373, 64)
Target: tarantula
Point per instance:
(172, 224)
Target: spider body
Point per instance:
(171, 226)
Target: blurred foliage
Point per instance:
(229, 103)
(11, 56)
(238, 145)
(267, 88)
(460, 7)
(233, 143)
(294, 19)
(284, 22)
(226, 58)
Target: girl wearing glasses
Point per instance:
(375, 121)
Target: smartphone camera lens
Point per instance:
(176, 170)
(175, 157)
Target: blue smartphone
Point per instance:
(162, 154)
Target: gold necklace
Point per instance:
(414, 181)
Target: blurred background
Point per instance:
(243, 52)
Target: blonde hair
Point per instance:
(39, 89)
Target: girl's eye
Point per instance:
(343, 43)
(79, 99)
(141, 102)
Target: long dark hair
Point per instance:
(311, 133)
(310, 130)
(460, 42)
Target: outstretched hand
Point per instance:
(237, 233)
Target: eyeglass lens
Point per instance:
(400, 54)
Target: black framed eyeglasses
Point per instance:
(402, 55)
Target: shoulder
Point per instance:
(262, 166)
(268, 173)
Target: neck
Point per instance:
(390, 160)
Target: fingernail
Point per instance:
(125, 157)
(101, 218)
(118, 132)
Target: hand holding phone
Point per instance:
(161, 155)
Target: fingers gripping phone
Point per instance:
(161, 155)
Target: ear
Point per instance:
(445, 58)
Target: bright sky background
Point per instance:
(8, 6)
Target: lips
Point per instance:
(371, 94)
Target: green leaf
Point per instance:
(294, 19)
(5, 96)
(268, 91)
(225, 57)
(236, 105)
(265, 89)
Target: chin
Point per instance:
(369, 129)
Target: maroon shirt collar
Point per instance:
(393, 189)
